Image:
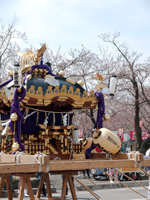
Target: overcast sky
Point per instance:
(72, 23)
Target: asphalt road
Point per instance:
(106, 194)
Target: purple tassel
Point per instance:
(98, 125)
(101, 110)
(15, 107)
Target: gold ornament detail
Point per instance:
(80, 82)
(106, 117)
(15, 146)
(61, 73)
(100, 78)
(10, 73)
(13, 117)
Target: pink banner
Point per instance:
(120, 133)
(80, 133)
(145, 135)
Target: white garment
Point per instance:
(148, 153)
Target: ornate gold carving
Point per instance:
(63, 94)
(56, 90)
(85, 96)
(48, 92)
(39, 93)
(79, 156)
(63, 90)
(31, 92)
(3, 94)
(77, 95)
(11, 96)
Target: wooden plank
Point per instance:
(119, 156)
(25, 175)
(145, 162)
(30, 158)
(18, 168)
(29, 186)
(8, 185)
(5, 158)
(82, 164)
(70, 165)
(66, 172)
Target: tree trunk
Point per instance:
(137, 119)
(145, 145)
(92, 116)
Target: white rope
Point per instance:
(108, 156)
(38, 159)
(135, 158)
(6, 124)
(4, 121)
(129, 155)
(136, 165)
(16, 156)
(72, 152)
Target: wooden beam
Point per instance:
(71, 165)
(119, 156)
(6, 158)
(20, 168)
(33, 175)
(63, 165)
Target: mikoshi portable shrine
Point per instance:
(38, 135)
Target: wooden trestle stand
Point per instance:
(27, 171)
(26, 166)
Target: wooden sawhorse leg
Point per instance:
(8, 185)
(25, 180)
(44, 176)
(68, 178)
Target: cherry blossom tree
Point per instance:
(132, 77)
(9, 45)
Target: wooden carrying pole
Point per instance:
(88, 189)
(133, 180)
(123, 184)
(88, 178)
